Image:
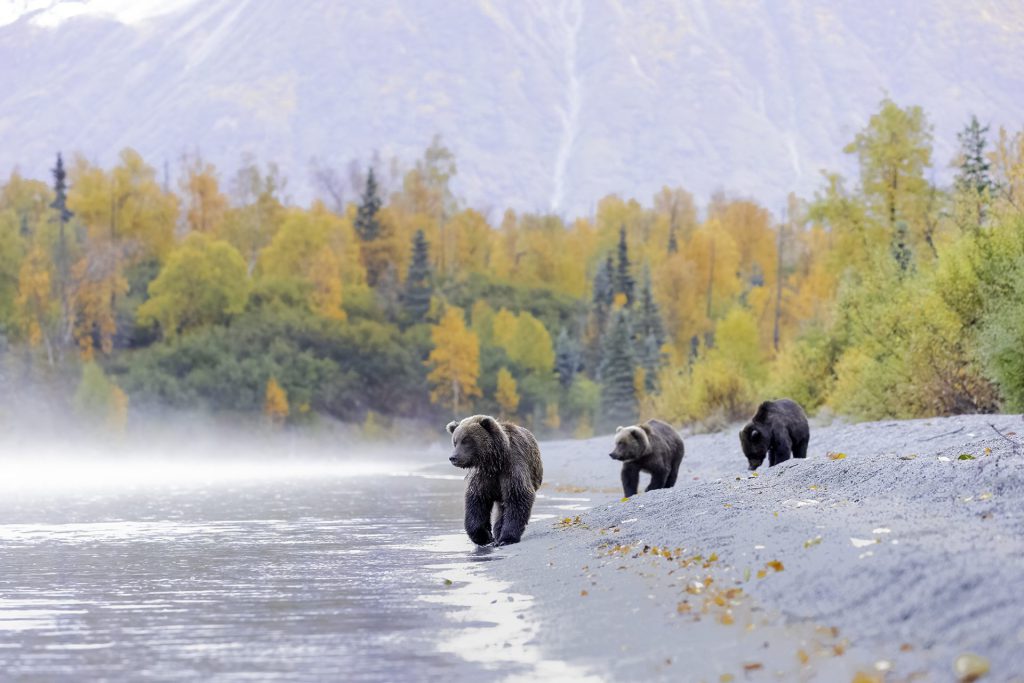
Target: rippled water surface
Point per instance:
(314, 578)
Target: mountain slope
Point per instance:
(546, 105)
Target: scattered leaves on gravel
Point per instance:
(568, 522)
(811, 542)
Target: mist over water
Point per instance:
(294, 568)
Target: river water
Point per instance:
(328, 574)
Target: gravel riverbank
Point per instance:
(894, 549)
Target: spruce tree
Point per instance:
(418, 285)
(60, 204)
(618, 394)
(623, 279)
(974, 178)
(60, 190)
(367, 226)
(974, 173)
(651, 360)
(604, 292)
(567, 358)
(901, 247)
(649, 321)
(650, 333)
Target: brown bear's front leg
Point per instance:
(658, 476)
(478, 518)
(780, 451)
(630, 479)
(515, 513)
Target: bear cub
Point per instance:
(505, 472)
(778, 429)
(653, 447)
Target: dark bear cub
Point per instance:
(653, 447)
(505, 472)
(778, 429)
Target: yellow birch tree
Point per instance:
(455, 361)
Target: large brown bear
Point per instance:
(505, 470)
(778, 429)
(653, 447)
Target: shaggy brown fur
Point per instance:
(778, 429)
(652, 447)
(505, 472)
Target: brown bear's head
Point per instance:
(630, 443)
(754, 442)
(477, 441)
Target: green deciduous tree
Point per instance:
(205, 282)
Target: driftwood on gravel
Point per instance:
(939, 436)
(1013, 444)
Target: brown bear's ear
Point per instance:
(619, 429)
(491, 425)
(451, 426)
(754, 434)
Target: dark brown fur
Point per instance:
(505, 472)
(778, 430)
(653, 447)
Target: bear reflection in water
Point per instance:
(505, 472)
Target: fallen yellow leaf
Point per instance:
(584, 594)
(835, 456)
(776, 565)
(803, 657)
(863, 677)
(970, 667)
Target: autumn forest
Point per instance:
(393, 304)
